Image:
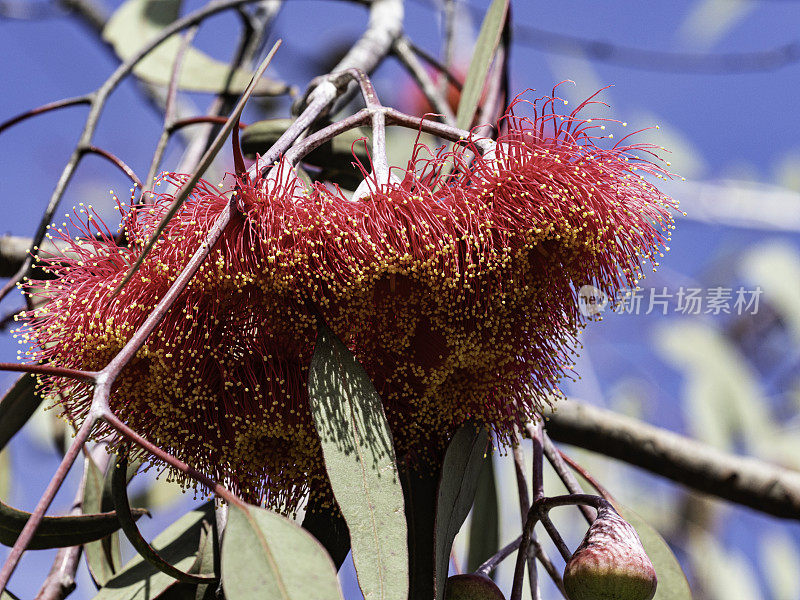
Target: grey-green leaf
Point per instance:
(672, 584)
(484, 533)
(485, 46)
(178, 543)
(58, 532)
(17, 406)
(360, 462)
(99, 556)
(5, 474)
(265, 555)
(136, 22)
(461, 469)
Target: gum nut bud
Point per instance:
(472, 586)
(610, 563)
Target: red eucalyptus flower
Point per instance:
(458, 298)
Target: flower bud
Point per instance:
(472, 586)
(610, 563)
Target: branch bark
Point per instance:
(744, 480)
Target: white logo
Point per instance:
(591, 301)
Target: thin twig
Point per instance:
(524, 507)
(436, 97)
(27, 533)
(116, 161)
(448, 40)
(186, 188)
(40, 110)
(436, 64)
(169, 111)
(50, 370)
(587, 476)
(60, 582)
(566, 476)
(98, 100)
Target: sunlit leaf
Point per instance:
(485, 47)
(484, 533)
(58, 532)
(136, 22)
(205, 563)
(672, 584)
(5, 474)
(178, 544)
(99, 556)
(265, 555)
(463, 463)
(17, 406)
(360, 462)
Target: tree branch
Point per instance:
(744, 480)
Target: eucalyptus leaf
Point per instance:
(463, 463)
(17, 406)
(58, 532)
(5, 474)
(99, 555)
(136, 22)
(178, 544)
(672, 584)
(485, 47)
(265, 555)
(484, 532)
(360, 462)
(206, 563)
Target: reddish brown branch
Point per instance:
(218, 120)
(587, 476)
(172, 461)
(48, 370)
(116, 161)
(27, 533)
(45, 108)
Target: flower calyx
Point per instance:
(610, 563)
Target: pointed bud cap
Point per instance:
(610, 563)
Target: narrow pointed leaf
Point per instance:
(484, 534)
(59, 532)
(461, 469)
(672, 584)
(17, 407)
(99, 557)
(5, 474)
(136, 22)
(139, 580)
(485, 47)
(265, 555)
(360, 462)
(206, 563)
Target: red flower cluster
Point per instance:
(458, 297)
